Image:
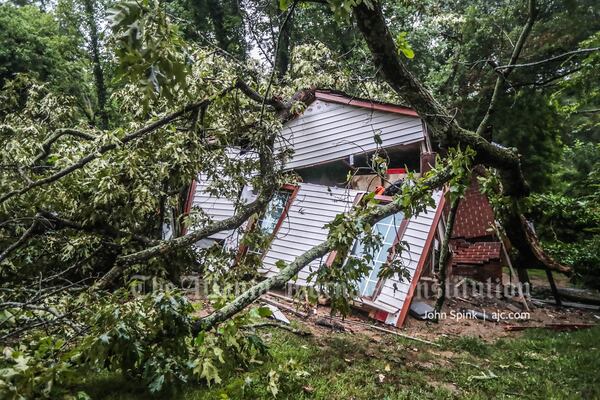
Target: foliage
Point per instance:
(570, 231)
(176, 73)
(144, 338)
(33, 42)
(343, 366)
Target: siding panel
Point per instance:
(327, 132)
(304, 226)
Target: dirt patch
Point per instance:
(454, 324)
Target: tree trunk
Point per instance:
(90, 16)
(446, 131)
(444, 257)
(282, 58)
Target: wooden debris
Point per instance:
(284, 307)
(554, 327)
(466, 300)
(569, 304)
(378, 328)
(331, 323)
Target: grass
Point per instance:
(538, 365)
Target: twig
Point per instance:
(558, 57)
(278, 325)
(108, 147)
(29, 232)
(483, 125)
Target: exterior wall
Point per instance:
(217, 208)
(329, 131)
(304, 226)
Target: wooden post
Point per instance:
(553, 287)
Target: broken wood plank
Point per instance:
(569, 304)
(378, 328)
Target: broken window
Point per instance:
(390, 231)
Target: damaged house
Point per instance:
(335, 134)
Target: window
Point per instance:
(275, 209)
(274, 214)
(390, 229)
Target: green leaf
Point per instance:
(265, 312)
(404, 46)
(377, 138)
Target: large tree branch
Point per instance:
(440, 122)
(22, 239)
(502, 76)
(447, 132)
(47, 145)
(268, 174)
(111, 146)
(45, 221)
(99, 228)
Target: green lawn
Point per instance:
(540, 365)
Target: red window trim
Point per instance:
(421, 264)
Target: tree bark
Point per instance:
(282, 58)
(444, 257)
(90, 16)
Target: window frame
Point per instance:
(293, 189)
(399, 235)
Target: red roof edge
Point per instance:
(370, 104)
(421, 264)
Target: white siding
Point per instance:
(329, 131)
(217, 208)
(304, 226)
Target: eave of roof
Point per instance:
(342, 98)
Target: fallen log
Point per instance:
(284, 307)
(554, 327)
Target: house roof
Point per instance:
(474, 216)
(334, 126)
(334, 96)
